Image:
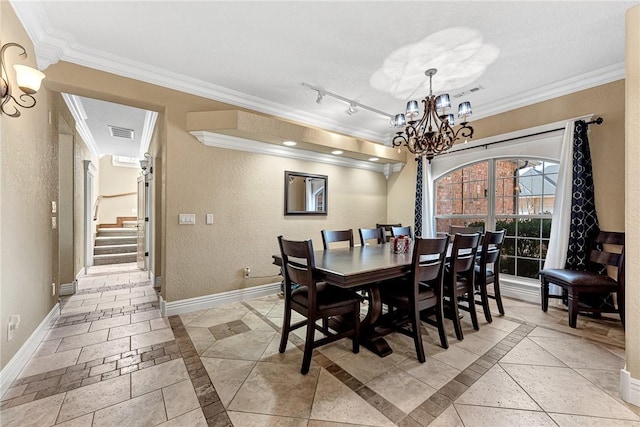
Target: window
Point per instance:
(513, 194)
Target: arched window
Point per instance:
(515, 194)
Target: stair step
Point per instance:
(103, 232)
(114, 258)
(129, 224)
(116, 240)
(114, 249)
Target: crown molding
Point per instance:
(52, 46)
(212, 139)
(74, 104)
(149, 124)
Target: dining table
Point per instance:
(362, 268)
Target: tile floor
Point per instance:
(112, 360)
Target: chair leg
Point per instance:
(286, 325)
(308, 346)
(485, 303)
(573, 308)
(498, 296)
(472, 310)
(356, 331)
(455, 317)
(544, 294)
(444, 343)
(417, 333)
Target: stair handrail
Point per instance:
(96, 205)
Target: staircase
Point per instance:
(116, 245)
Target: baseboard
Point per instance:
(157, 282)
(520, 290)
(629, 387)
(68, 288)
(81, 273)
(12, 369)
(208, 301)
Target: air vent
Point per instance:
(119, 132)
(467, 92)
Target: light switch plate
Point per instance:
(54, 223)
(209, 219)
(54, 206)
(187, 219)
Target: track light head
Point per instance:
(353, 108)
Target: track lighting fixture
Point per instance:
(353, 108)
(353, 105)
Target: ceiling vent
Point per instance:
(119, 132)
(467, 92)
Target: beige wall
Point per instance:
(115, 181)
(632, 147)
(28, 184)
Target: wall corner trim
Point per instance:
(629, 387)
(19, 360)
(214, 300)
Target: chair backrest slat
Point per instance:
(463, 254)
(603, 252)
(298, 264)
(370, 234)
(333, 236)
(401, 231)
(453, 229)
(429, 257)
(491, 246)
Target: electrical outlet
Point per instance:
(247, 272)
(53, 289)
(14, 322)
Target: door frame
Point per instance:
(90, 173)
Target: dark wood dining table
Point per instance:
(362, 268)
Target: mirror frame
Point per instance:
(290, 174)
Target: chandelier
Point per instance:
(433, 134)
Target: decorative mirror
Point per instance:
(305, 194)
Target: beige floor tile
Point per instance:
(258, 420)
(51, 362)
(94, 397)
(579, 353)
(194, 418)
(227, 376)
(78, 310)
(480, 416)
(14, 392)
(157, 377)
(145, 315)
(110, 323)
(142, 300)
(187, 318)
(146, 410)
(218, 316)
(290, 393)
(113, 304)
(403, 390)
(489, 333)
(564, 420)
(336, 402)
(180, 398)
(292, 354)
(366, 365)
(202, 338)
(47, 347)
(449, 418)
(541, 331)
(128, 330)
(67, 331)
(473, 344)
(263, 306)
(159, 323)
(83, 421)
(432, 372)
(107, 348)
(504, 325)
(320, 423)
(38, 413)
(496, 388)
(527, 352)
(246, 346)
(563, 390)
(150, 338)
(99, 300)
(609, 381)
(456, 357)
(82, 340)
(255, 323)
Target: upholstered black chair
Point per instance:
(368, 234)
(419, 295)
(607, 252)
(401, 231)
(333, 236)
(314, 300)
(459, 281)
(487, 271)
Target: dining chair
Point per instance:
(387, 229)
(419, 295)
(314, 300)
(487, 271)
(333, 236)
(460, 278)
(401, 231)
(367, 234)
(453, 229)
(607, 252)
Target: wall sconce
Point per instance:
(146, 165)
(28, 80)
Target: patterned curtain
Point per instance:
(583, 228)
(418, 207)
(584, 222)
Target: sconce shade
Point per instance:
(28, 79)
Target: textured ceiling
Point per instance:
(258, 54)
